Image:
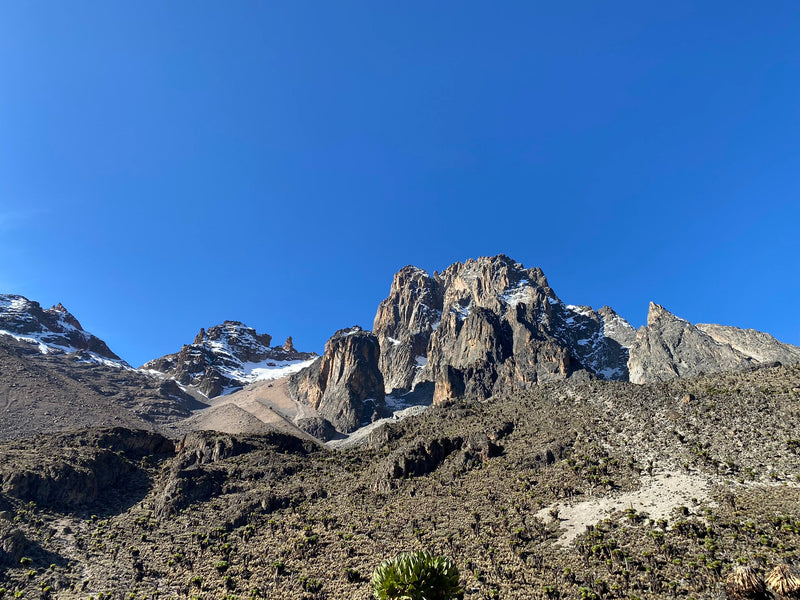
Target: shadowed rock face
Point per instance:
(345, 386)
(671, 348)
(216, 360)
(491, 326)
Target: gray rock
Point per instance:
(404, 323)
(670, 347)
(758, 345)
(215, 362)
(320, 428)
(491, 326)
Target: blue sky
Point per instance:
(168, 165)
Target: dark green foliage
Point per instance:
(416, 576)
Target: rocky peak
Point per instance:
(404, 323)
(490, 325)
(226, 357)
(238, 339)
(657, 316)
(288, 345)
(345, 386)
(670, 347)
(54, 330)
(616, 328)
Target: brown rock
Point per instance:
(491, 326)
(345, 386)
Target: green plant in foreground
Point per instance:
(416, 576)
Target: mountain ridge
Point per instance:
(482, 328)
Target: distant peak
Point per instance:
(657, 314)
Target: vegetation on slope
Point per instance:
(272, 517)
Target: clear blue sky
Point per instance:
(168, 165)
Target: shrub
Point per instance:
(416, 576)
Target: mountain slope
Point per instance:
(670, 348)
(63, 392)
(571, 490)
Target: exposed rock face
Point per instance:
(345, 386)
(227, 357)
(404, 324)
(54, 330)
(757, 345)
(671, 347)
(320, 428)
(490, 326)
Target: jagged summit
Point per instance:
(54, 330)
(227, 357)
(490, 325)
(671, 347)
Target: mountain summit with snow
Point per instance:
(53, 330)
(227, 357)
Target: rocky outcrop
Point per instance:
(81, 469)
(320, 428)
(345, 386)
(758, 345)
(54, 330)
(227, 357)
(199, 472)
(670, 347)
(490, 326)
(404, 324)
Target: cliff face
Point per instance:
(404, 324)
(490, 326)
(345, 386)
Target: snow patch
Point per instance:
(46, 346)
(519, 293)
(584, 311)
(461, 312)
(265, 370)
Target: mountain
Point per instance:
(223, 470)
(53, 330)
(487, 327)
(670, 348)
(227, 357)
(491, 326)
(345, 387)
